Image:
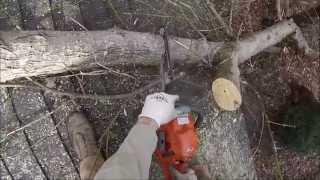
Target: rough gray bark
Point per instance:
(16, 152)
(47, 145)
(252, 45)
(31, 53)
(224, 144)
(4, 174)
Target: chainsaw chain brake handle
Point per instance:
(177, 141)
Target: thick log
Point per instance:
(16, 153)
(29, 106)
(32, 53)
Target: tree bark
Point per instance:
(226, 85)
(34, 53)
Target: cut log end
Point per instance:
(226, 94)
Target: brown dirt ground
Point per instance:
(273, 78)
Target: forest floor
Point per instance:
(268, 78)
(276, 81)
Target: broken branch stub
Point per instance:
(226, 85)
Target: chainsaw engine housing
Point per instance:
(177, 141)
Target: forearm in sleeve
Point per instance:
(133, 158)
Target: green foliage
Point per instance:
(305, 137)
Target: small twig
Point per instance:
(261, 134)
(275, 151)
(29, 124)
(80, 85)
(279, 10)
(231, 14)
(190, 8)
(159, 10)
(107, 133)
(263, 115)
(12, 86)
(81, 96)
(88, 96)
(280, 124)
(219, 18)
(186, 18)
(92, 73)
(116, 14)
(145, 14)
(98, 154)
(96, 97)
(115, 72)
(287, 8)
(78, 23)
(192, 52)
(247, 7)
(240, 31)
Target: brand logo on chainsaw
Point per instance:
(160, 98)
(183, 119)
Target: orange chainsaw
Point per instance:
(177, 140)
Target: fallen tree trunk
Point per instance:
(34, 53)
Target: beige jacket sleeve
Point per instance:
(133, 158)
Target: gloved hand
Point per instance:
(160, 107)
(189, 175)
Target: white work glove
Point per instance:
(160, 107)
(189, 175)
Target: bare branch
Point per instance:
(96, 96)
(219, 18)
